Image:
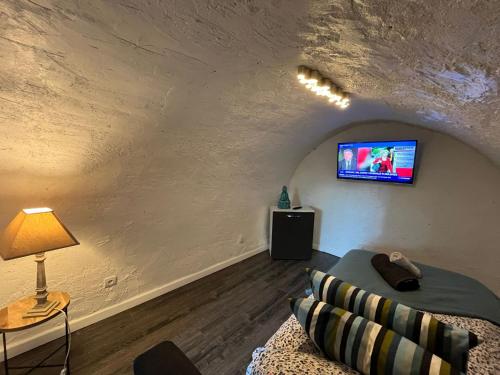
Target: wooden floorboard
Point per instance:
(217, 321)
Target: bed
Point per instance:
(450, 297)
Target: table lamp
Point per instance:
(35, 231)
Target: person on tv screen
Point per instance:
(383, 163)
(348, 162)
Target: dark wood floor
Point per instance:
(217, 321)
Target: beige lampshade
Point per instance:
(34, 230)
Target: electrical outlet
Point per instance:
(110, 281)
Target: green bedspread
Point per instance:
(440, 291)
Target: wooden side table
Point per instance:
(11, 320)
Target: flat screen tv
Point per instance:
(388, 161)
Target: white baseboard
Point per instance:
(317, 246)
(53, 333)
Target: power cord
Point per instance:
(65, 369)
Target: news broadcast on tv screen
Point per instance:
(391, 161)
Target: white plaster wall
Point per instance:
(449, 218)
(161, 130)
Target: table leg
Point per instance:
(68, 371)
(5, 362)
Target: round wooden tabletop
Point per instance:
(11, 317)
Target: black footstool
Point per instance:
(164, 359)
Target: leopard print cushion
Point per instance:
(281, 362)
(290, 351)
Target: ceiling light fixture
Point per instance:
(322, 86)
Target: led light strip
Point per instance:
(321, 86)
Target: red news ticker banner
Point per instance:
(404, 172)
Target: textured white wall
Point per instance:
(161, 130)
(449, 218)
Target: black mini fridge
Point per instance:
(291, 233)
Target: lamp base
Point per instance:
(38, 311)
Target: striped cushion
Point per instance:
(446, 341)
(364, 345)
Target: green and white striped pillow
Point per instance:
(448, 342)
(364, 345)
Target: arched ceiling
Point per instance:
(87, 85)
(160, 130)
(436, 60)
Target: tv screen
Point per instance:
(390, 161)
